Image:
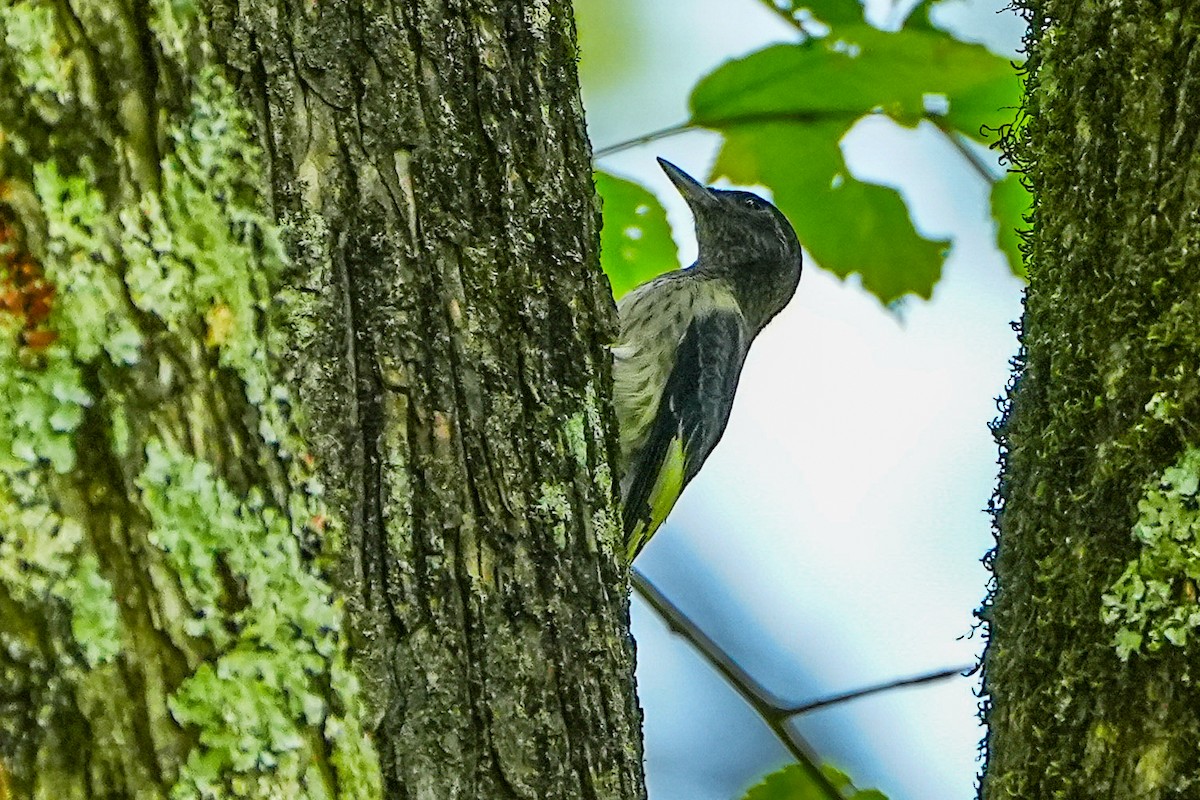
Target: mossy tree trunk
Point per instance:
(304, 425)
(1093, 623)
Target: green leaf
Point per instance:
(1010, 206)
(635, 242)
(794, 782)
(784, 109)
(790, 783)
(856, 70)
(918, 18)
(848, 226)
(831, 12)
(611, 39)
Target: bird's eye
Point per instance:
(752, 203)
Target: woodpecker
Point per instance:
(683, 339)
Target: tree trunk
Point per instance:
(302, 365)
(1094, 614)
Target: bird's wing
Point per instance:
(691, 417)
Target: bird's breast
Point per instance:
(653, 318)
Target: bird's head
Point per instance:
(744, 237)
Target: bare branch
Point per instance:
(751, 691)
(955, 138)
(645, 138)
(774, 712)
(916, 680)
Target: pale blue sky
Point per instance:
(833, 539)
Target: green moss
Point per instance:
(257, 704)
(1154, 602)
(1154, 768)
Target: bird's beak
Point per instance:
(694, 192)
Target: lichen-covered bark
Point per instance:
(299, 314)
(1094, 617)
(164, 627)
(431, 157)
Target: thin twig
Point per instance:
(768, 706)
(804, 117)
(955, 138)
(917, 680)
(751, 691)
(645, 138)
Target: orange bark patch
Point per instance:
(26, 296)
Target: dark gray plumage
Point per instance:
(684, 337)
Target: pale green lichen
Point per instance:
(198, 251)
(1163, 407)
(1154, 602)
(95, 618)
(353, 758)
(118, 430)
(43, 554)
(91, 312)
(608, 528)
(31, 35)
(37, 548)
(39, 409)
(174, 22)
(590, 424)
(576, 433)
(206, 245)
(582, 427)
(555, 506)
(257, 704)
(595, 424)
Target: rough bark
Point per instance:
(1094, 614)
(300, 313)
(436, 155)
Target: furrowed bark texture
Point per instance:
(431, 159)
(302, 360)
(164, 629)
(1093, 619)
